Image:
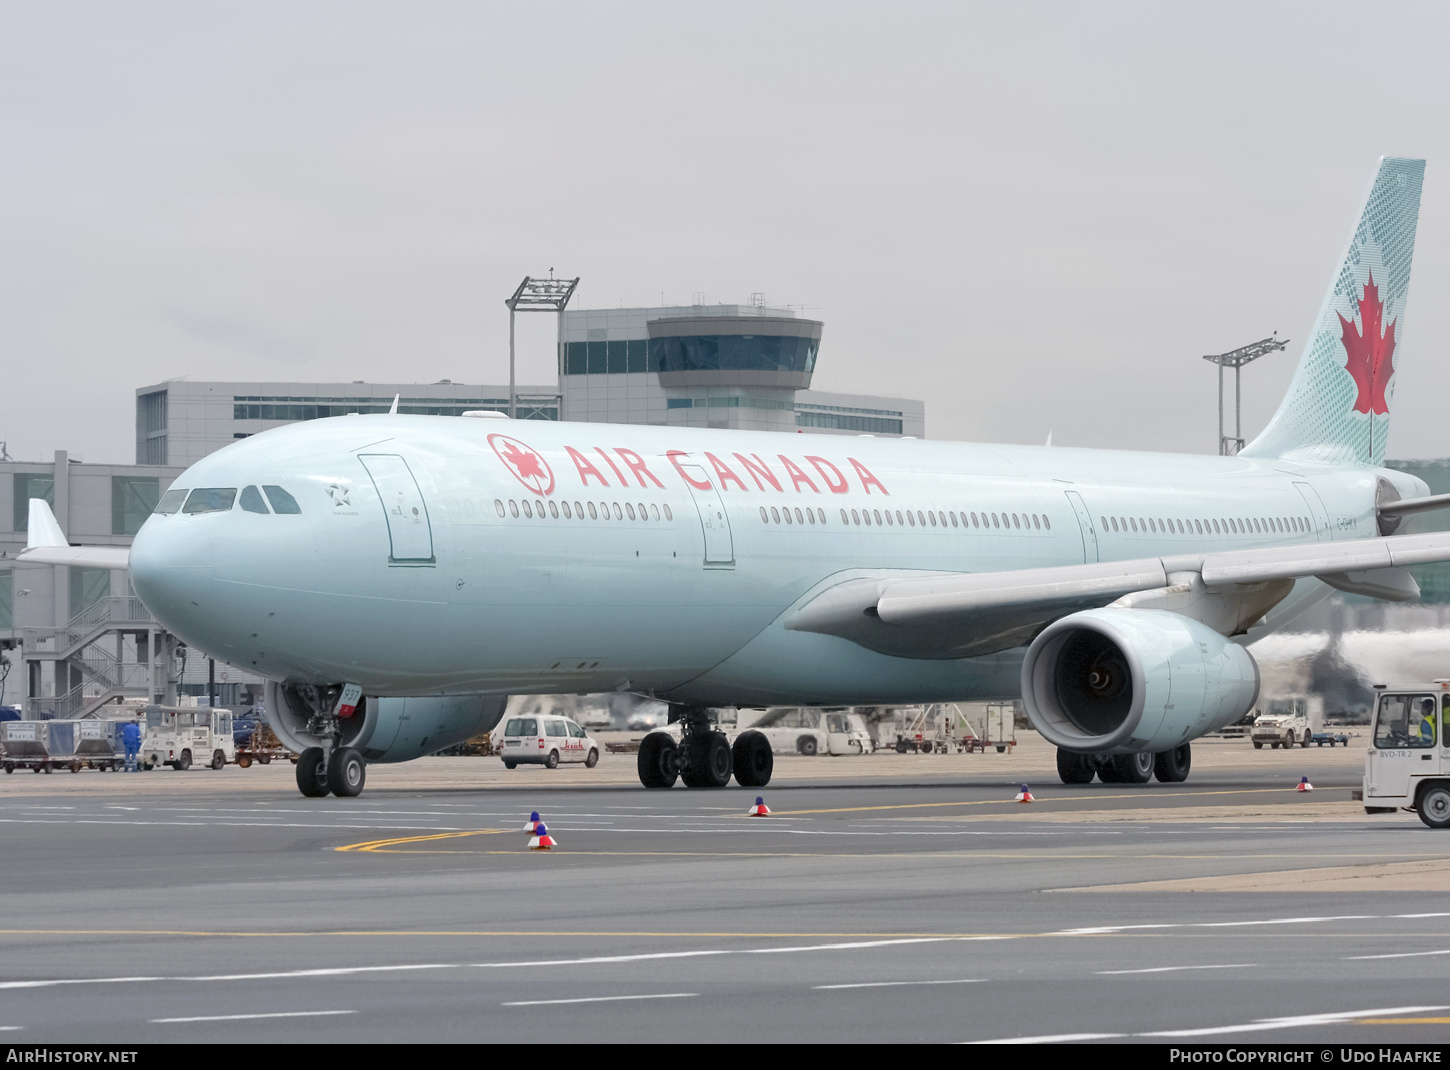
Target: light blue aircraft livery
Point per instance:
(397, 577)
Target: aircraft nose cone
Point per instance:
(172, 564)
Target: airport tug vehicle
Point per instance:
(1407, 765)
(185, 736)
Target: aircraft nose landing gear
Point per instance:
(703, 758)
(333, 768)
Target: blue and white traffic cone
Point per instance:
(759, 809)
(1025, 796)
(533, 823)
(541, 840)
(1304, 784)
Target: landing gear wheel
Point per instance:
(1074, 768)
(311, 777)
(593, 759)
(346, 773)
(1434, 806)
(1133, 768)
(1171, 766)
(658, 760)
(754, 761)
(709, 764)
(218, 760)
(184, 762)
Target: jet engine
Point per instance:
(1129, 680)
(386, 729)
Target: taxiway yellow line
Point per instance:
(1011, 802)
(381, 845)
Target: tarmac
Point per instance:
(888, 898)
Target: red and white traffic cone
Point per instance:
(1025, 796)
(759, 809)
(1304, 784)
(533, 823)
(541, 840)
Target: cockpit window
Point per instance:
(170, 502)
(252, 500)
(282, 502)
(210, 500)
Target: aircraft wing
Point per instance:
(46, 544)
(952, 614)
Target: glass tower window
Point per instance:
(733, 352)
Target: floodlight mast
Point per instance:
(539, 295)
(1236, 359)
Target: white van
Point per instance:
(547, 740)
(183, 736)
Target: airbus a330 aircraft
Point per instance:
(397, 577)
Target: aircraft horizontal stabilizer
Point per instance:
(45, 544)
(951, 615)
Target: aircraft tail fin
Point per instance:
(1337, 409)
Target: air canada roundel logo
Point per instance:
(526, 463)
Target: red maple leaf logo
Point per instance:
(528, 467)
(1370, 353)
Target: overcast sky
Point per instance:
(1034, 216)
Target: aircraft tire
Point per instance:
(1133, 768)
(1433, 805)
(1074, 768)
(657, 764)
(311, 779)
(753, 759)
(1171, 766)
(347, 773)
(711, 763)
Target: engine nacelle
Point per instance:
(389, 729)
(1128, 680)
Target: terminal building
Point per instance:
(737, 366)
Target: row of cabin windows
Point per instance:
(600, 512)
(942, 519)
(807, 516)
(1229, 526)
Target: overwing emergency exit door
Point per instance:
(1085, 525)
(719, 543)
(409, 530)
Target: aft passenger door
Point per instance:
(409, 530)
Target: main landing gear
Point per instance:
(333, 768)
(1169, 766)
(703, 757)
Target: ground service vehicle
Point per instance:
(546, 740)
(803, 730)
(185, 736)
(1115, 592)
(1407, 765)
(1285, 723)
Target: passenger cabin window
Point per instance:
(282, 502)
(170, 502)
(252, 500)
(210, 500)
